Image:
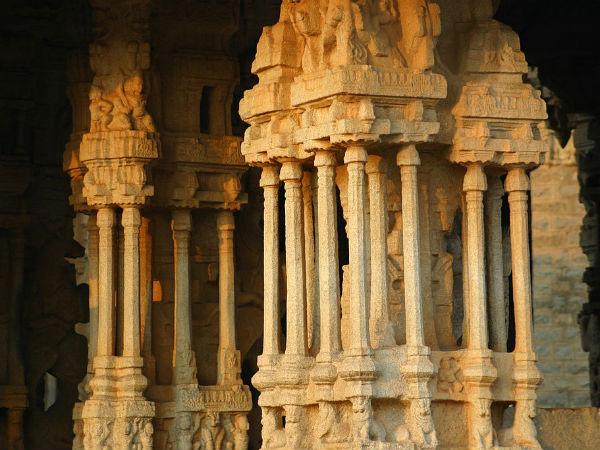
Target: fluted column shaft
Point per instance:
(494, 262)
(355, 158)
(329, 284)
(475, 184)
(379, 324)
(228, 360)
(106, 282)
(517, 185)
(93, 286)
(408, 160)
(181, 226)
(269, 181)
(291, 175)
(131, 221)
(312, 315)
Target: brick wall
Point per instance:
(558, 289)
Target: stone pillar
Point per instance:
(312, 316)
(106, 282)
(269, 181)
(131, 221)
(184, 367)
(229, 358)
(356, 158)
(14, 429)
(479, 373)
(526, 376)
(324, 373)
(291, 175)
(380, 327)
(418, 369)
(494, 263)
(17, 265)
(146, 299)
(93, 268)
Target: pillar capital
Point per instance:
(225, 220)
(106, 217)
(131, 217)
(269, 176)
(408, 155)
(356, 153)
(325, 158)
(291, 171)
(375, 164)
(475, 178)
(182, 220)
(517, 180)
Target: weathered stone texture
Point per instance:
(558, 287)
(568, 429)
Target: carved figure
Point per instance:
(331, 428)
(240, 432)
(295, 426)
(522, 433)
(273, 435)
(211, 432)
(366, 428)
(450, 377)
(482, 432)
(422, 429)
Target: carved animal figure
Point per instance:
(366, 428)
(523, 432)
(481, 423)
(331, 427)
(422, 429)
(272, 430)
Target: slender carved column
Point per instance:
(269, 181)
(229, 357)
(312, 318)
(418, 369)
(146, 299)
(381, 331)
(131, 221)
(329, 284)
(480, 373)
(106, 282)
(495, 272)
(526, 376)
(291, 175)
(184, 367)
(356, 158)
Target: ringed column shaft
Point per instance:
(225, 229)
(269, 181)
(131, 221)
(93, 286)
(181, 226)
(309, 259)
(355, 158)
(329, 284)
(494, 262)
(475, 184)
(408, 160)
(291, 175)
(517, 185)
(106, 282)
(381, 334)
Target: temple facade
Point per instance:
(306, 227)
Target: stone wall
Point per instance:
(568, 428)
(558, 287)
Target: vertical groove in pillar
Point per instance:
(379, 325)
(329, 284)
(93, 286)
(312, 321)
(269, 181)
(291, 175)
(228, 362)
(355, 158)
(106, 281)
(494, 263)
(408, 160)
(131, 221)
(517, 185)
(475, 183)
(184, 367)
